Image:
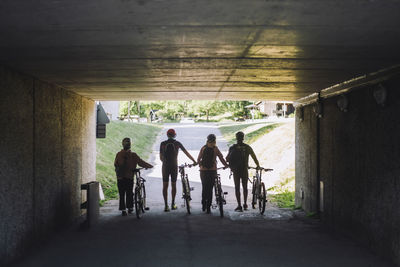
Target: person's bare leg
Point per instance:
(165, 193)
(236, 179)
(245, 192)
(173, 192)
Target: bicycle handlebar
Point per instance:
(138, 169)
(187, 165)
(222, 168)
(261, 168)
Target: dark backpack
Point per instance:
(237, 157)
(170, 153)
(207, 160)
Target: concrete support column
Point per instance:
(48, 149)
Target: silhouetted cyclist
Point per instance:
(169, 156)
(238, 158)
(207, 160)
(125, 162)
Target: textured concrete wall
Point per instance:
(47, 146)
(88, 142)
(306, 160)
(359, 167)
(16, 165)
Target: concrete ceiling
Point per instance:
(192, 49)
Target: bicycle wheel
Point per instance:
(138, 200)
(262, 199)
(220, 201)
(187, 195)
(254, 200)
(143, 202)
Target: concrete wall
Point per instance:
(47, 144)
(359, 166)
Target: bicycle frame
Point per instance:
(185, 185)
(219, 194)
(258, 190)
(140, 193)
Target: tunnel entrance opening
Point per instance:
(269, 133)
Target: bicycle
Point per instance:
(185, 185)
(258, 190)
(140, 194)
(219, 194)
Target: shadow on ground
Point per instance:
(279, 238)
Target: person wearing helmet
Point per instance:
(207, 160)
(125, 162)
(169, 157)
(238, 158)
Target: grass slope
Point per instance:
(253, 136)
(142, 136)
(229, 132)
(283, 194)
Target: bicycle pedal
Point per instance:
(147, 208)
(225, 193)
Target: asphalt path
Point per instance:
(193, 136)
(280, 237)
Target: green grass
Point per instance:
(284, 199)
(229, 132)
(205, 120)
(142, 137)
(253, 136)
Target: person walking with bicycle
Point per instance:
(169, 157)
(125, 163)
(207, 160)
(238, 158)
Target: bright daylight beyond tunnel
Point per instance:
(268, 127)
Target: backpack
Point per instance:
(207, 159)
(237, 157)
(170, 153)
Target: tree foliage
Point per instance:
(191, 108)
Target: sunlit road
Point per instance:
(280, 237)
(193, 137)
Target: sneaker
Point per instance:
(245, 207)
(173, 207)
(166, 209)
(239, 209)
(124, 213)
(203, 208)
(130, 211)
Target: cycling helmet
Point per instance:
(171, 133)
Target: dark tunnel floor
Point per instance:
(280, 238)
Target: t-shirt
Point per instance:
(245, 150)
(126, 161)
(217, 153)
(174, 160)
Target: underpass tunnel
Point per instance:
(338, 61)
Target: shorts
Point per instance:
(169, 171)
(240, 176)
